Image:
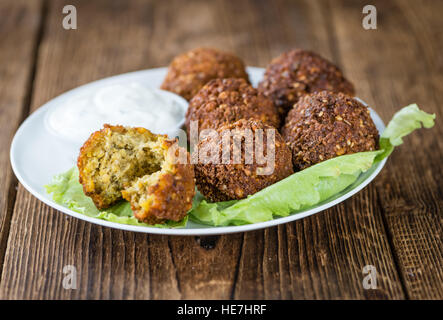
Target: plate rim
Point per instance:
(208, 230)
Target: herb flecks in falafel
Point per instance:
(132, 163)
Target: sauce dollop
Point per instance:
(125, 104)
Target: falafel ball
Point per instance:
(190, 71)
(224, 101)
(133, 163)
(222, 176)
(324, 125)
(299, 72)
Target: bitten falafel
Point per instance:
(224, 101)
(133, 163)
(324, 125)
(190, 71)
(243, 171)
(299, 72)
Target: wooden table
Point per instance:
(394, 224)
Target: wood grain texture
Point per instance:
(320, 257)
(393, 224)
(19, 31)
(111, 264)
(398, 64)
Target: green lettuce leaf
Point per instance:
(313, 185)
(299, 191)
(403, 123)
(67, 191)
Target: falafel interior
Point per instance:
(118, 162)
(301, 190)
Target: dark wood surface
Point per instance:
(394, 224)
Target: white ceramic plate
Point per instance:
(37, 155)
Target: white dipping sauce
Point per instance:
(120, 104)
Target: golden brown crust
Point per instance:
(190, 71)
(224, 101)
(324, 125)
(227, 181)
(299, 72)
(170, 196)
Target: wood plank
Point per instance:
(43, 240)
(320, 257)
(19, 29)
(110, 263)
(398, 64)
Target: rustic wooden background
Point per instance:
(394, 224)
